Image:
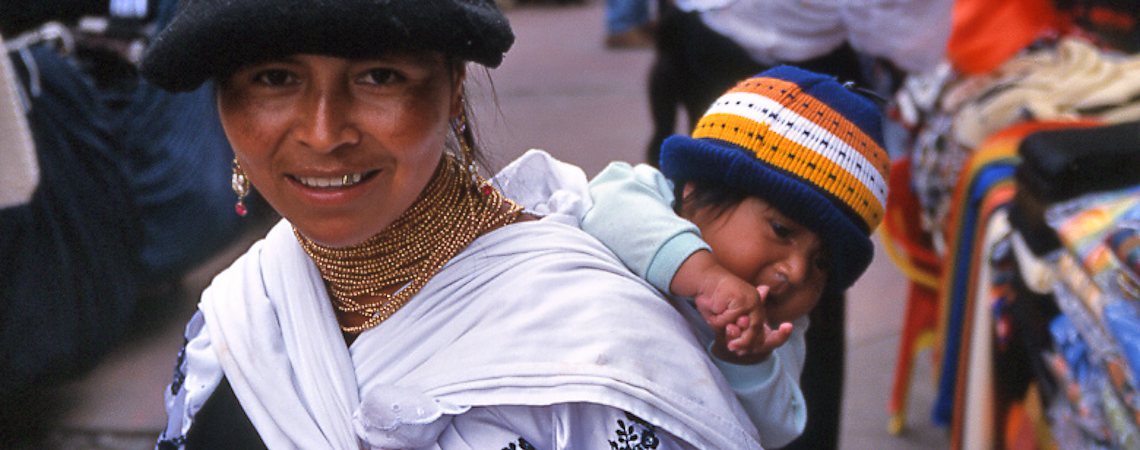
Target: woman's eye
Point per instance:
(381, 77)
(274, 77)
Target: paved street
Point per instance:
(559, 89)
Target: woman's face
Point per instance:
(340, 147)
(759, 244)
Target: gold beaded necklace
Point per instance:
(447, 216)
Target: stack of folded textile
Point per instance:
(1097, 336)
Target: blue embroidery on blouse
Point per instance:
(179, 376)
(643, 437)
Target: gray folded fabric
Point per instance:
(19, 170)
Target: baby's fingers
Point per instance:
(775, 338)
(756, 322)
(729, 316)
(741, 344)
(744, 321)
(752, 332)
(731, 334)
(739, 339)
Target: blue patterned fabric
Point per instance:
(134, 191)
(68, 275)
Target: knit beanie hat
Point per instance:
(806, 144)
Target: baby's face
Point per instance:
(761, 245)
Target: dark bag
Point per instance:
(1058, 165)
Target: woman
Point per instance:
(403, 303)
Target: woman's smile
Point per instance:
(333, 191)
(347, 180)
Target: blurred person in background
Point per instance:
(629, 24)
(132, 194)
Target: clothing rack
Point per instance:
(997, 325)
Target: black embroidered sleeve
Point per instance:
(179, 376)
(171, 444)
(521, 445)
(637, 434)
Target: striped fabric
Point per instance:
(802, 135)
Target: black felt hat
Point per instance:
(209, 38)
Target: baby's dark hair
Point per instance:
(716, 197)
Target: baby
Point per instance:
(769, 204)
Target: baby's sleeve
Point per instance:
(770, 391)
(632, 215)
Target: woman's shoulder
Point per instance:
(276, 243)
(554, 247)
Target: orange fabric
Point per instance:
(986, 33)
(901, 228)
(902, 223)
(1019, 430)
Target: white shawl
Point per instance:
(536, 313)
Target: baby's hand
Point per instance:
(732, 307)
(725, 300)
(750, 339)
(735, 310)
(757, 346)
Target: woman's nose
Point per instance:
(323, 122)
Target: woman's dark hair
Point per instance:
(469, 132)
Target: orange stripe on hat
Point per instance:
(792, 97)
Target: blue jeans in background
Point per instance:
(623, 15)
